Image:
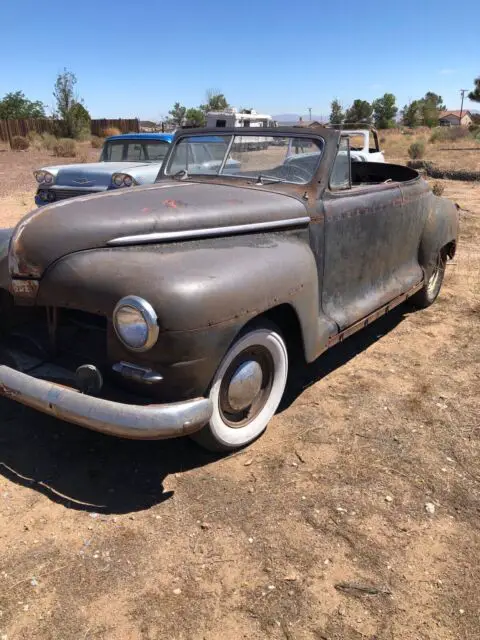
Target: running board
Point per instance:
(361, 324)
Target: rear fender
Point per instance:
(440, 230)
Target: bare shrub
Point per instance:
(35, 139)
(438, 189)
(111, 131)
(48, 141)
(65, 148)
(83, 134)
(416, 150)
(96, 142)
(19, 143)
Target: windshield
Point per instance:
(134, 151)
(266, 158)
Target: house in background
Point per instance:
(452, 118)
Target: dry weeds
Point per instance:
(461, 154)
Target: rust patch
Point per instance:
(174, 204)
(8, 393)
(24, 289)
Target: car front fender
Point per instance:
(144, 175)
(203, 293)
(195, 286)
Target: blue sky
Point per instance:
(136, 58)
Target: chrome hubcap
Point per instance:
(245, 385)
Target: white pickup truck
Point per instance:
(364, 145)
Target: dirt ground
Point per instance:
(368, 475)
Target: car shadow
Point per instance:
(92, 472)
(304, 376)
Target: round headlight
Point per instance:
(39, 176)
(48, 178)
(135, 323)
(117, 179)
(127, 181)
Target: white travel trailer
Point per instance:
(248, 118)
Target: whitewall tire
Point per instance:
(246, 389)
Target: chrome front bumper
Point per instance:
(115, 418)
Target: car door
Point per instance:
(375, 154)
(371, 244)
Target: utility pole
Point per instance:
(462, 91)
(310, 113)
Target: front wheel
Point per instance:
(429, 293)
(246, 390)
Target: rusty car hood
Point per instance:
(82, 223)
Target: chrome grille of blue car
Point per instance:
(62, 194)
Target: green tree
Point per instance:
(410, 114)
(195, 117)
(385, 111)
(215, 101)
(336, 115)
(16, 105)
(177, 114)
(69, 107)
(475, 94)
(360, 111)
(431, 106)
(80, 120)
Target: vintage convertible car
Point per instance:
(172, 309)
(125, 160)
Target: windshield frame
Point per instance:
(144, 142)
(230, 133)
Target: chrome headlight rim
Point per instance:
(149, 316)
(123, 180)
(44, 177)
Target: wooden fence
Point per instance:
(131, 125)
(11, 128)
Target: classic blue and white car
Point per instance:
(126, 160)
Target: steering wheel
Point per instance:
(296, 173)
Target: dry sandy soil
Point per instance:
(107, 539)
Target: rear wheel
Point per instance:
(246, 389)
(429, 293)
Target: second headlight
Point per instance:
(123, 180)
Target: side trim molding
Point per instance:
(193, 234)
